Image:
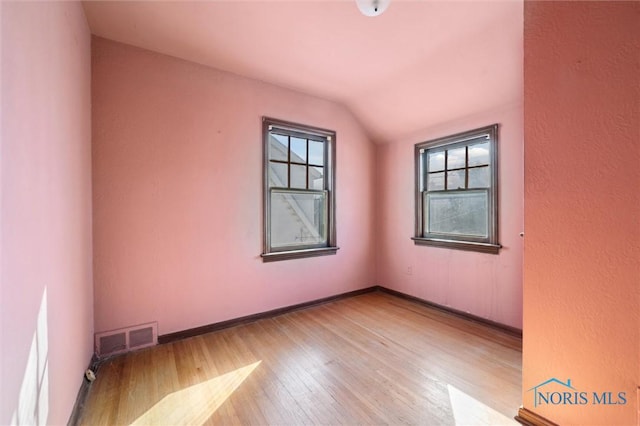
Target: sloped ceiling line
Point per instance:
(418, 64)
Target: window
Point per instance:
(457, 191)
(299, 194)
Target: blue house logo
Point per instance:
(541, 397)
(557, 392)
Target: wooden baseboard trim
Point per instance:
(197, 331)
(78, 407)
(192, 332)
(464, 315)
(529, 418)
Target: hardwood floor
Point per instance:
(369, 359)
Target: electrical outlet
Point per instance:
(409, 270)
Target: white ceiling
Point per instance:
(418, 64)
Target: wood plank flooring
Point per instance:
(369, 359)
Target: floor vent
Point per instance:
(126, 339)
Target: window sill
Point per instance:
(298, 254)
(458, 245)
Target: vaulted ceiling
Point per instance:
(418, 64)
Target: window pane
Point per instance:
(298, 219)
(278, 175)
(298, 150)
(435, 161)
(435, 181)
(455, 179)
(278, 147)
(479, 154)
(455, 158)
(316, 153)
(298, 176)
(316, 177)
(460, 214)
(479, 178)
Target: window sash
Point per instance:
(460, 236)
(304, 219)
(296, 163)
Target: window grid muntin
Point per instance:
(307, 164)
(466, 144)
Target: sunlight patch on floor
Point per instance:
(33, 402)
(195, 404)
(469, 411)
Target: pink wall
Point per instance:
(485, 285)
(582, 197)
(46, 319)
(177, 161)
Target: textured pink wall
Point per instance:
(46, 318)
(582, 198)
(177, 161)
(485, 285)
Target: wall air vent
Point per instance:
(126, 339)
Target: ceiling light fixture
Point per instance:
(372, 7)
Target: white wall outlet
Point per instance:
(90, 375)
